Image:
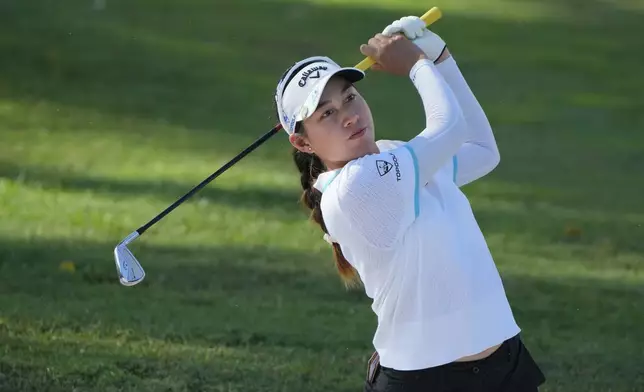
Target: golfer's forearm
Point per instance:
(479, 154)
(445, 128)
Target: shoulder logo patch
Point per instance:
(383, 167)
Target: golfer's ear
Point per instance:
(299, 142)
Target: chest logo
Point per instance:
(383, 167)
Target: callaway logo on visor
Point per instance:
(313, 73)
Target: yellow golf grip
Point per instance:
(429, 17)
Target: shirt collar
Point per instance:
(324, 179)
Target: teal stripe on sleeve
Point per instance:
(330, 180)
(416, 191)
(455, 161)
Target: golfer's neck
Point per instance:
(330, 165)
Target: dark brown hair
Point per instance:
(310, 167)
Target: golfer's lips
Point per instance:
(358, 133)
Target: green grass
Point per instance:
(107, 116)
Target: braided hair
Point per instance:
(310, 167)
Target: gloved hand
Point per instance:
(414, 29)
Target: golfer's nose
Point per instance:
(351, 119)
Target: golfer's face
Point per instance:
(341, 129)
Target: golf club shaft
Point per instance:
(428, 17)
(214, 175)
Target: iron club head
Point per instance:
(128, 268)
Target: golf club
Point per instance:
(128, 267)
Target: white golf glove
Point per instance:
(414, 29)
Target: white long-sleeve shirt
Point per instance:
(479, 154)
(404, 224)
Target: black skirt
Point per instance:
(510, 368)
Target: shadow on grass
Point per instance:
(552, 88)
(248, 269)
(141, 367)
(221, 294)
(551, 95)
(198, 70)
(578, 329)
(191, 64)
(500, 208)
(581, 331)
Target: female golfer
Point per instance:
(398, 221)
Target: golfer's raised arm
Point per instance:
(378, 195)
(445, 127)
(479, 155)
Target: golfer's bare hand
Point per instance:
(395, 54)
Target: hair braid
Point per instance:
(310, 167)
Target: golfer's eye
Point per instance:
(327, 113)
(351, 97)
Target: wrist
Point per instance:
(420, 62)
(422, 57)
(443, 56)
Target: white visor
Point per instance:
(298, 99)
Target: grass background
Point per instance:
(110, 110)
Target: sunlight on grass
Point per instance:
(518, 264)
(124, 148)
(54, 214)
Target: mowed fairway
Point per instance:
(111, 110)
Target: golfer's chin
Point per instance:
(363, 144)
